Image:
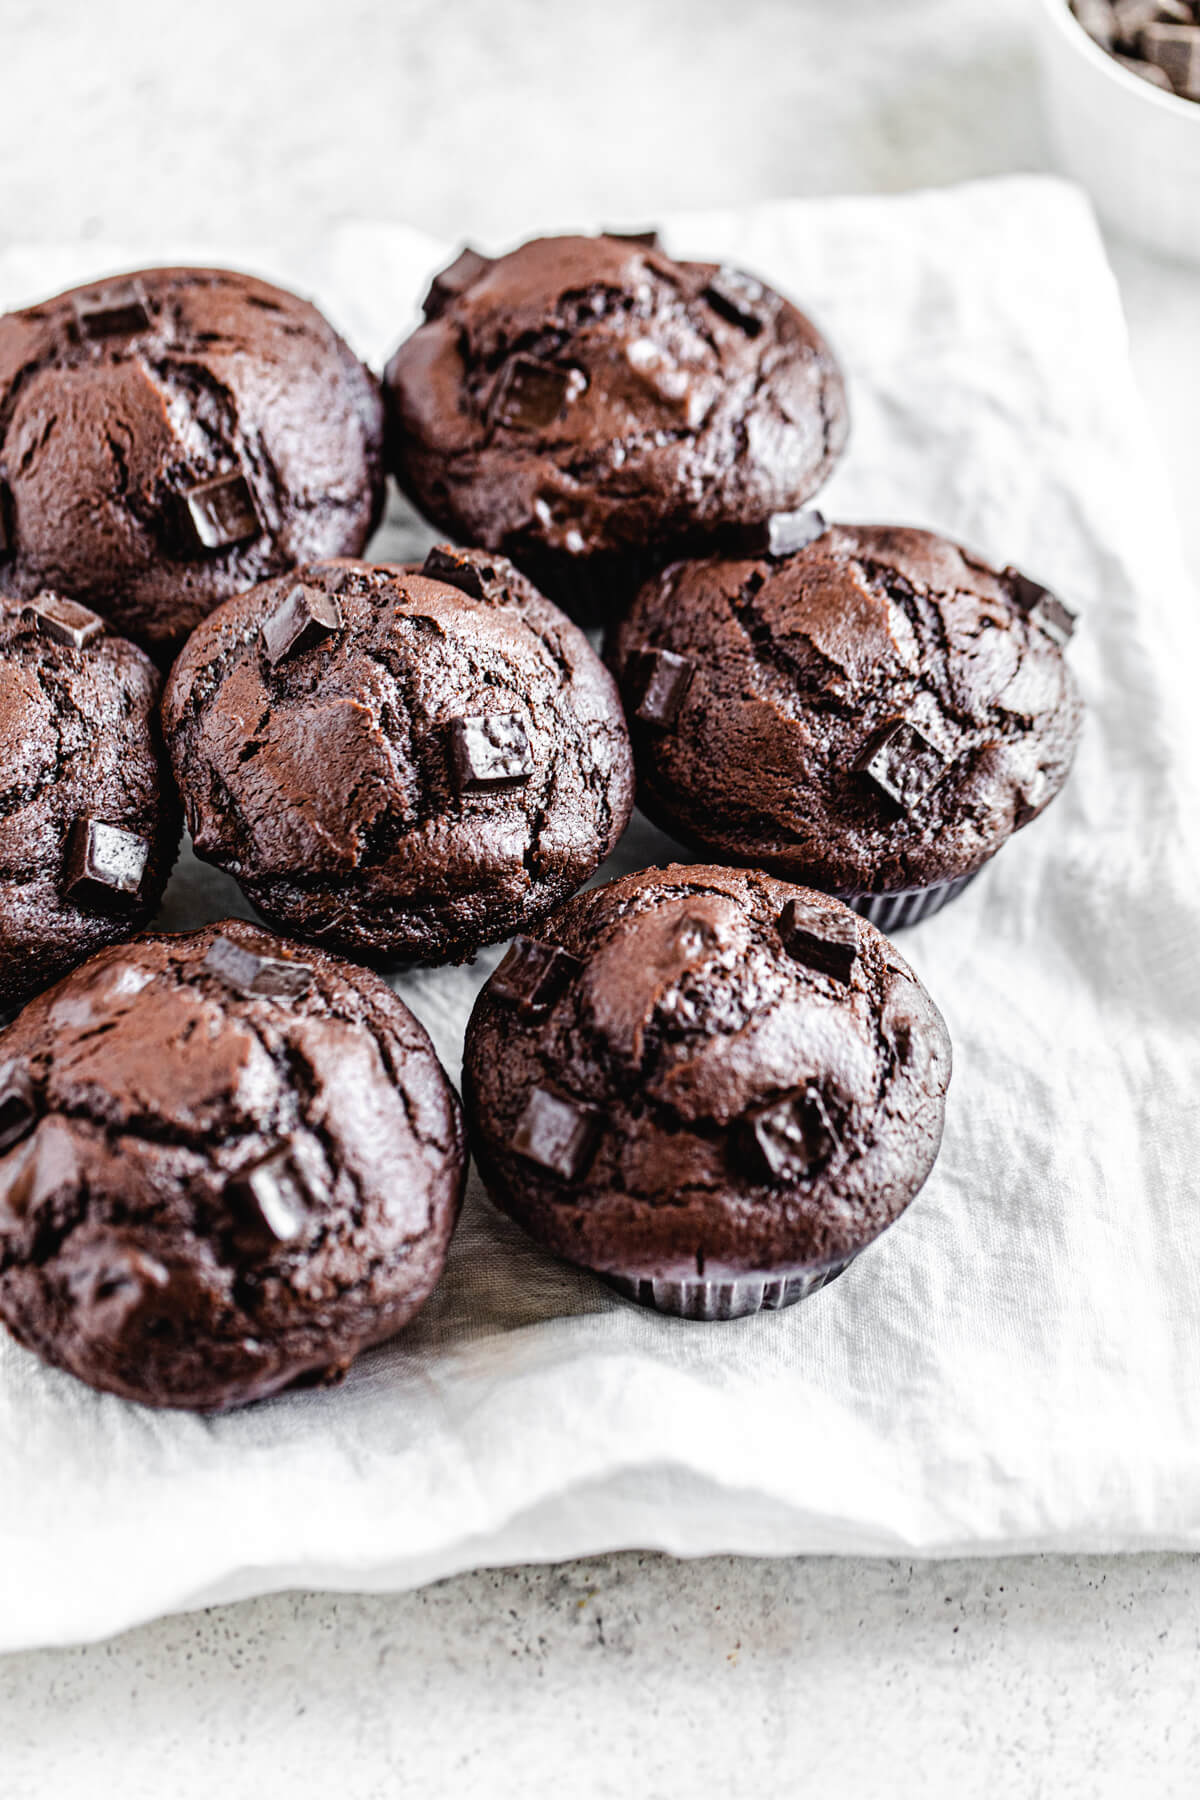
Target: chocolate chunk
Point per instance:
(902, 763)
(490, 750)
(790, 1140)
(64, 620)
(276, 1196)
(105, 863)
(248, 973)
(18, 1107)
(446, 286)
(1146, 72)
(1041, 606)
(1131, 17)
(738, 298)
(558, 1135)
(450, 566)
(649, 240)
(112, 1283)
(780, 535)
(825, 941)
(306, 618)
(1175, 49)
(222, 512)
(118, 310)
(533, 975)
(658, 685)
(529, 395)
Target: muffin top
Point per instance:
(225, 1164)
(878, 710)
(704, 1072)
(171, 437)
(89, 822)
(583, 395)
(406, 763)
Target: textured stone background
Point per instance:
(264, 121)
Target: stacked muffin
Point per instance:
(228, 1161)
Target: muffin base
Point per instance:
(726, 1299)
(905, 906)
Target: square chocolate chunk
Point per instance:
(18, 1107)
(790, 1140)
(105, 863)
(533, 975)
(248, 973)
(1175, 49)
(738, 298)
(490, 750)
(529, 395)
(558, 1135)
(446, 286)
(658, 684)
(304, 619)
(276, 1196)
(456, 570)
(64, 620)
(821, 940)
(118, 310)
(222, 512)
(1042, 607)
(780, 535)
(902, 764)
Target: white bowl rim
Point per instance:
(1062, 14)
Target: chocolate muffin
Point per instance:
(226, 1165)
(874, 712)
(584, 404)
(404, 763)
(89, 820)
(710, 1087)
(171, 437)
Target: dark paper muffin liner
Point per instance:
(726, 1299)
(907, 905)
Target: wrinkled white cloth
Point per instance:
(1016, 1365)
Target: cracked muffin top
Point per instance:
(876, 711)
(171, 437)
(404, 763)
(589, 398)
(89, 821)
(705, 1073)
(226, 1165)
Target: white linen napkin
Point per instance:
(1016, 1365)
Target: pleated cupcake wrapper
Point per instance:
(726, 1299)
(907, 905)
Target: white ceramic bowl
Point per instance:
(1135, 148)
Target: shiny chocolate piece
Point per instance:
(821, 940)
(1175, 49)
(64, 620)
(105, 863)
(659, 681)
(272, 977)
(18, 1107)
(456, 570)
(902, 764)
(780, 535)
(530, 395)
(738, 298)
(533, 975)
(446, 286)
(649, 240)
(490, 750)
(222, 512)
(113, 1284)
(1042, 607)
(306, 618)
(790, 1140)
(558, 1135)
(277, 1197)
(118, 310)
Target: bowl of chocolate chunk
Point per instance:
(1122, 87)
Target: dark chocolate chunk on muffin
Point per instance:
(408, 764)
(171, 437)
(586, 403)
(89, 820)
(713, 1086)
(873, 713)
(226, 1165)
